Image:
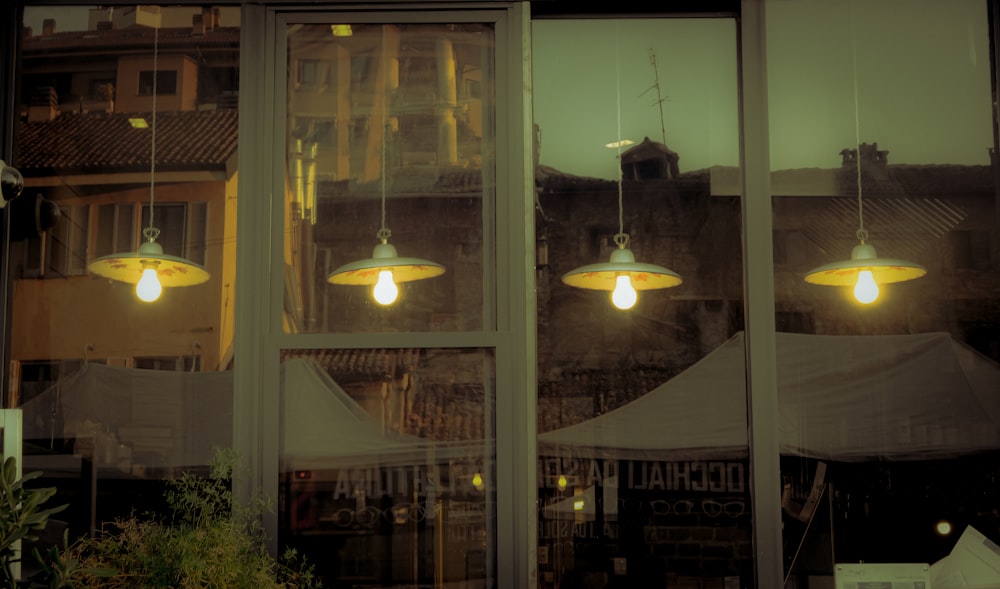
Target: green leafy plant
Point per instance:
(206, 541)
(21, 516)
(58, 569)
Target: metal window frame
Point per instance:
(758, 285)
(508, 226)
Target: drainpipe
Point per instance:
(447, 102)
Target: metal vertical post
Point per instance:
(758, 281)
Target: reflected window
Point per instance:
(164, 82)
(182, 227)
(115, 228)
(62, 250)
(38, 375)
(181, 363)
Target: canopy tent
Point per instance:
(175, 420)
(840, 398)
(325, 428)
(157, 418)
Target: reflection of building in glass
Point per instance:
(165, 424)
(424, 85)
(940, 215)
(391, 110)
(642, 392)
(79, 150)
(594, 359)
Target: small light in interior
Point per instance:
(341, 30)
(943, 528)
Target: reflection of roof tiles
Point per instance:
(547, 178)
(341, 364)
(128, 40)
(459, 180)
(105, 142)
(411, 180)
(942, 180)
(910, 180)
(452, 411)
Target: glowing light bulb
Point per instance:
(943, 528)
(562, 482)
(148, 288)
(624, 295)
(477, 481)
(865, 291)
(385, 290)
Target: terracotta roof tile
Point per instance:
(106, 142)
(128, 40)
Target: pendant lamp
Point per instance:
(149, 268)
(385, 268)
(865, 270)
(622, 274)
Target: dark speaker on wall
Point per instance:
(32, 215)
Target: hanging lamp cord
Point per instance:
(621, 238)
(151, 232)
(383, 232)
(862, 234)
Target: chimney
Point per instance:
(208, 19)
(48, 27)
(871, 157)
(198, 24)
(650, 160)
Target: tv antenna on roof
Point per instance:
(660, 99)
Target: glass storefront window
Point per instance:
(387, 465)
(388, 135)
(387, 462)
(882, 132)
(643, 475)
(389, 434)
(118, 396)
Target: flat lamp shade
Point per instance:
(603, 276)
(863, 257)
(365, 272)
(127, 267)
